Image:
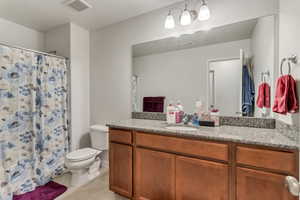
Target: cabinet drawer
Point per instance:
(185, 146)
(121, 136)
(274, 160)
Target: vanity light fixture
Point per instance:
(188, 16)
(204, 12)
(170, 22)
(185, 18)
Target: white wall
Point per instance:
(263, 48)
(181, 75)
(80, 83)
(289, 43)
(72, 41)
(58, 39)
(111, 51)
(18, 35)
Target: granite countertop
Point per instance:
(244, 135)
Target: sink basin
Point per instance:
(181, 128)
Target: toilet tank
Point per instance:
(99, 137)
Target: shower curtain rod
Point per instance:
(35, 51)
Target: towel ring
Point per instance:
(264, 76)
(289, 65)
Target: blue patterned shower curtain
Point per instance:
(33, 120)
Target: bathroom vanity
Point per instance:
(148, 161)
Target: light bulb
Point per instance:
(170, 22)
(204, 12)
(186, 18)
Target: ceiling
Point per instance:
(232, 32)
(43, 15)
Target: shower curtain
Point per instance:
(33, 120)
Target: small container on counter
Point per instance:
(215, 116)
(171, 115)
(207, 123)
(179, 112)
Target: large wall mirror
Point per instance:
(223, 67)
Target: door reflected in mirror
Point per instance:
(225, 85)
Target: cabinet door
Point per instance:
(120, 169)
(154, 175)
(254, 185)
(199, 179)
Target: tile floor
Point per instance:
(97, 189)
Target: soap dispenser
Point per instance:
(179, 112)
(199, 109)
(171, 116)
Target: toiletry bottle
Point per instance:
(171, 113)
(214, 115)
(195, 120)
(179, 112)
(176, 112)
(199, 109)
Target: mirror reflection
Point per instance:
(222, 68)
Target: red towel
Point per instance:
(153, 104)
(263, 99)
(286, 99)
(267, 96)
(261, 96)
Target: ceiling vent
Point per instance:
(78, 5)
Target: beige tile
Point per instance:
(97, 189)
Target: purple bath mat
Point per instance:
(46, 192)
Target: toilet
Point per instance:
(84, 164)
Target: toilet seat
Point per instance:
(82, 154)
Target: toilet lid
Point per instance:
(99, 128)
(82, 154)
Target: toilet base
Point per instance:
(82, 176)
(83, 170)
(79, 177)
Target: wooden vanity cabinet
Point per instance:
(200, 179)
(120, 163)
(261, 173)
(154, 175)
(149, 166)
(254, 184)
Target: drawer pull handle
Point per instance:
(293, 185)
